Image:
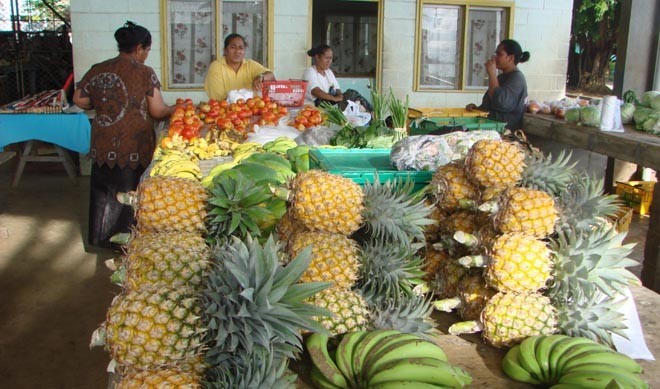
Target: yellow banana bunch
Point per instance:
(244, 150)
(176, 165)
(205, 150)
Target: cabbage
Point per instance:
(627, 111)
(648, 97)
(652, 123)
(655, 103)
(590, 116)
(572, 115)
(640, 116)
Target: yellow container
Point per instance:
(636, 194)
(444, 112)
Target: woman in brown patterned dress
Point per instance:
(125, 93)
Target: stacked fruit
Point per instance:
(526, 222)
(574, 362)
(382, 359)
(307, 117)
(153, 329)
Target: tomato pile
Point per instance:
(185, 121)
(307, 117)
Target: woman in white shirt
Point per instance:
(321, 82)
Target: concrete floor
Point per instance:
(53, 294)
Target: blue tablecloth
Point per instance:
(70, 130)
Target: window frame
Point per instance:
(217, 44)
(508, 5)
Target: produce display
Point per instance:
(232, 273)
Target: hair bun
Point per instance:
(524, 57)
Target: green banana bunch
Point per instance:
(566, 361)
(207, 181)
(382, 359)
(244, 150)
(280, 145)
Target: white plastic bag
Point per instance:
(610, 114)
(236, 94)
(355, 116)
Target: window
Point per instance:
(193, 36)
(455, 40)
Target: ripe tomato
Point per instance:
(188, 133)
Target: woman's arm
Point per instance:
(265, 76)
(318, 92)
(157, 107)
(493, 82)
(82, 102)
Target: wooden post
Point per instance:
(651, 267)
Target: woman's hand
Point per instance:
(258, 80)
(491, 68)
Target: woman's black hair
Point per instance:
(130, 36)
(513, 48)
(318, 50)
(231, 37)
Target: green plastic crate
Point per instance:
(471, 123)
(362, 165)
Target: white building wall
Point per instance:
(541, 26)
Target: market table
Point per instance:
(70, 131)
(632, 146)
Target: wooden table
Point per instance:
(632, 146)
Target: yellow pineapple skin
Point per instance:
(288, 227)
(510, 318)
(518, 263)
(167, 378)
(176, 259)
(334, 258)
(327, 202)
(474, 294)
(349, 309)
(528, 211)
(433, 260)
(451, 185)
(155, 327)
(171, 204)
(495, 163)
(449, 279)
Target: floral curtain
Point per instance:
(487, 27)
(353, 40)
(192, 44)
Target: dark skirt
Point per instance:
(107, 216)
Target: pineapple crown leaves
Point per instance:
(251, 301)
(247, 371)
(238, 205)
(590, 260)
(548, 174)
(582, 203)
(394, 212)
(596, 316)
(406, 313)
(388, 270)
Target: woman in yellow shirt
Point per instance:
(233, 71)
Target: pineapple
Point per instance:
(437, 216)
(407, 313)
(583, 205)
(451, 186)
(550, 175)
(473, 293)
(463, 220)
(175, 259)
(331, 203)
(495, 163)
(388, 270)
(433, 260)
(155, 327)
(327, 202)
(527, 211)
(255, 311)
(334, 257)
(449, 278)
(518, 263)
(509, 318)
(168, 378)
(169, 204)
(348, 308)
(288, 227)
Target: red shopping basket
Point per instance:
(287, 93)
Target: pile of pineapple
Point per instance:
(522, 246)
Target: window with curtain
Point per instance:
(455, 40)
(194, 31)
(353, 39)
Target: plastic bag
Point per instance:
(264, 134)
(354, 115)
(236, 94)
(317, 136)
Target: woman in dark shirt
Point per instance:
(125, 93)
(507, 93)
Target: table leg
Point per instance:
(22, 161)
(651, 267)
(6, 156)
(67, 162)
(609, 176)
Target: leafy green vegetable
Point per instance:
(627, 111)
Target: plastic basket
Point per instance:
(444, 112)
(288, 93)
(362, 165)
(622, 218)
(424, 126)
(636, 194)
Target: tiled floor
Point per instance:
(53, 293)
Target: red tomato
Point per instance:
(188, 133)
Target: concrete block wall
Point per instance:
(541, 26)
